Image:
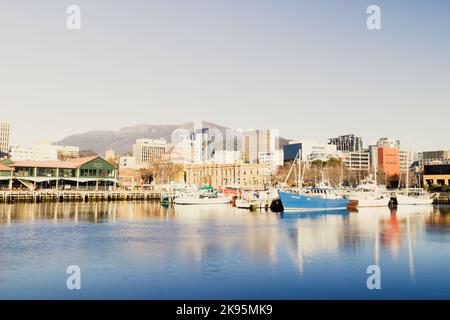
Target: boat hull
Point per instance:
(369, 201)
(200, 201)
(299, 202)
(407, 200)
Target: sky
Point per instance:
(311, 69)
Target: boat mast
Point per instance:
(292, 167)
(300, 178)
(407, 168)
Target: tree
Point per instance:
(87, 153)
(162, 171)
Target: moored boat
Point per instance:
(415, 196)
(193, 200)
(311, 199)
(204, 196)
(369, 194)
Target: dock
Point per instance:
(442, 199)
(76, 196)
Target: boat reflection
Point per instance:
(378, 230)
(311, 214)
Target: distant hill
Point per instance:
(121, 140)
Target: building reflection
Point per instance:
(208, 236)
(377, 230)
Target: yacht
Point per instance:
(415, 196)
(369, 194)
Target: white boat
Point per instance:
(242, 204)
(195, 200)
(416, 196)
(369, 194)
(204, 195)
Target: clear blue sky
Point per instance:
(309, 68)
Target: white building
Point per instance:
(149, 150)
(357, 161)
(226, 157)
(272, 159)
(312, 150)
(68, 152)
(183, 149)
(406, 158)
(4, 138)
(128, 162)
(259, 141)
(43, 152)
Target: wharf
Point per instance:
(442, 199)
(80, 196)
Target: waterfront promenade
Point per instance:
(77, 195)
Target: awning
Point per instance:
(48, 179)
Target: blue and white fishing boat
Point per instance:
(321, 198)
(311, 199)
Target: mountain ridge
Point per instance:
(122, 139)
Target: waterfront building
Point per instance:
(310, 151)
(245, 175)
(128, 162)
(67, 152)
(4, 138)
(130, 177)
(6, 177)
(437, 174)
(227, 156)
(272, 159)
(259, 141)
(347, 143)
(130, 172)
(394, 161)
(388, 161)
(80, 173)
(149, 150)
(406, 159)
(43, 152)
(357, 161)
(434, 157)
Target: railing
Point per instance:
(78, 195)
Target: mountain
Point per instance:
(121, 140)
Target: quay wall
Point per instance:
(81, 196)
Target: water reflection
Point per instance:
(220, 247)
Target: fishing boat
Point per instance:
(369, 194)
(322, 197)
(310, 199)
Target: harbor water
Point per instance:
(141, 250)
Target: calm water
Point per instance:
(144, 251)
